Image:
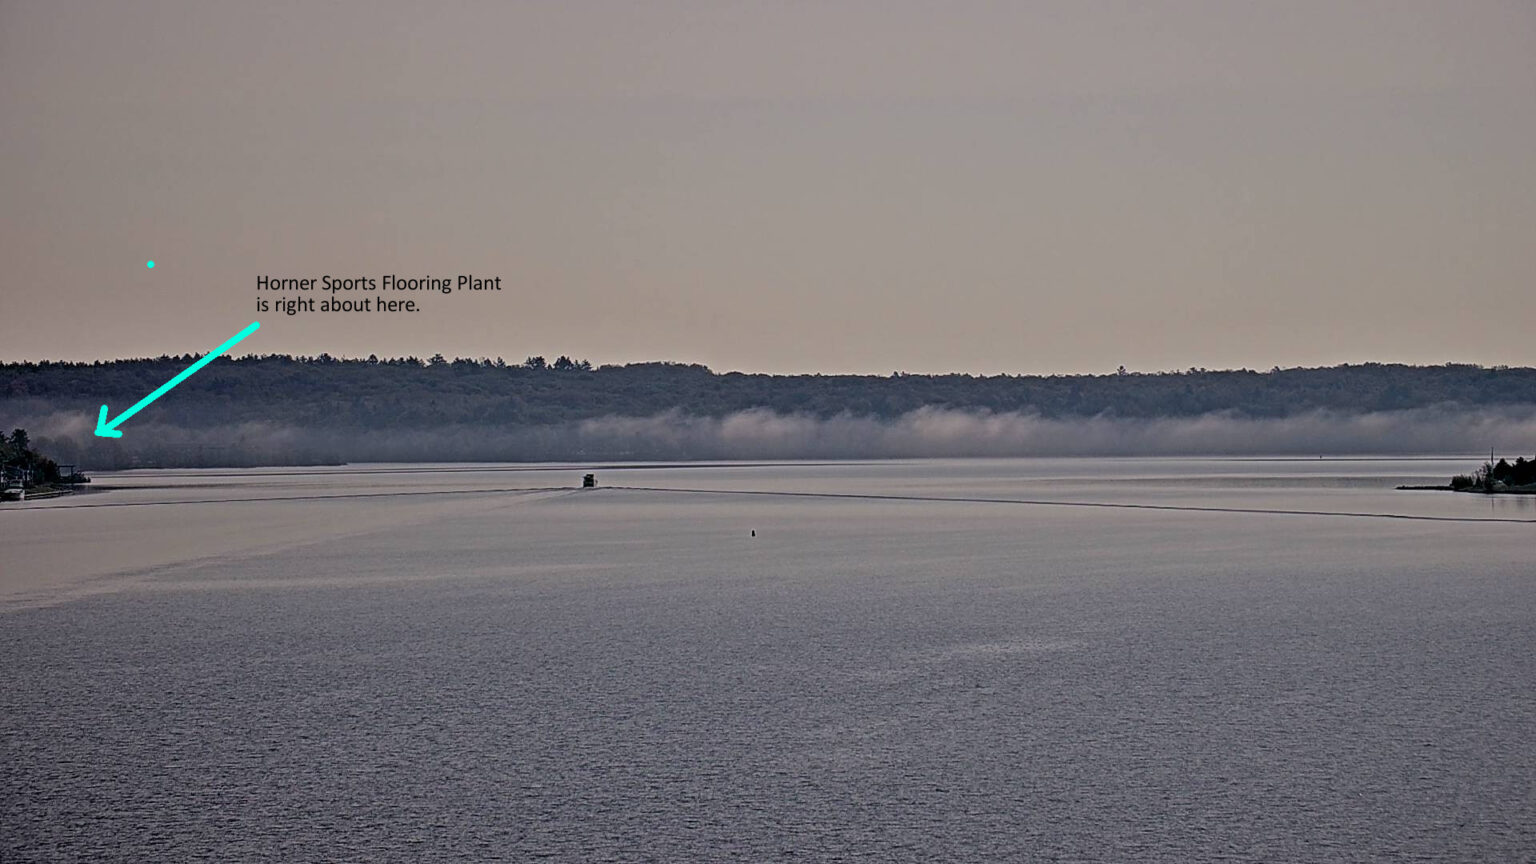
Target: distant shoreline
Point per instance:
(42, 493)
(1519, 491)
(319, 410)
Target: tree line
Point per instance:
(1493, 475)
(413, 393)
(19, 459)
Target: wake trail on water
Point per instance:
(399, 494)
(1036, 502)
(854, 496)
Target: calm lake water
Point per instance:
(1083, 660)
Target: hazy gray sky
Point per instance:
(786, 186)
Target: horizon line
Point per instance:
(427, 362)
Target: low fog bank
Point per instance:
(934, 432)
(763, 434)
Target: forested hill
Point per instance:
(415, 394)
(286, 410)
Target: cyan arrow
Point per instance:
(109, 430)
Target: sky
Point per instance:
(781, 186)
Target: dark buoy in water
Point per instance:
(754, 532)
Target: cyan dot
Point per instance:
(149, 264)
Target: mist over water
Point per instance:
(937, 432)
(766, 434)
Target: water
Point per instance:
(383, 664)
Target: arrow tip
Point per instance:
(102, 428)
